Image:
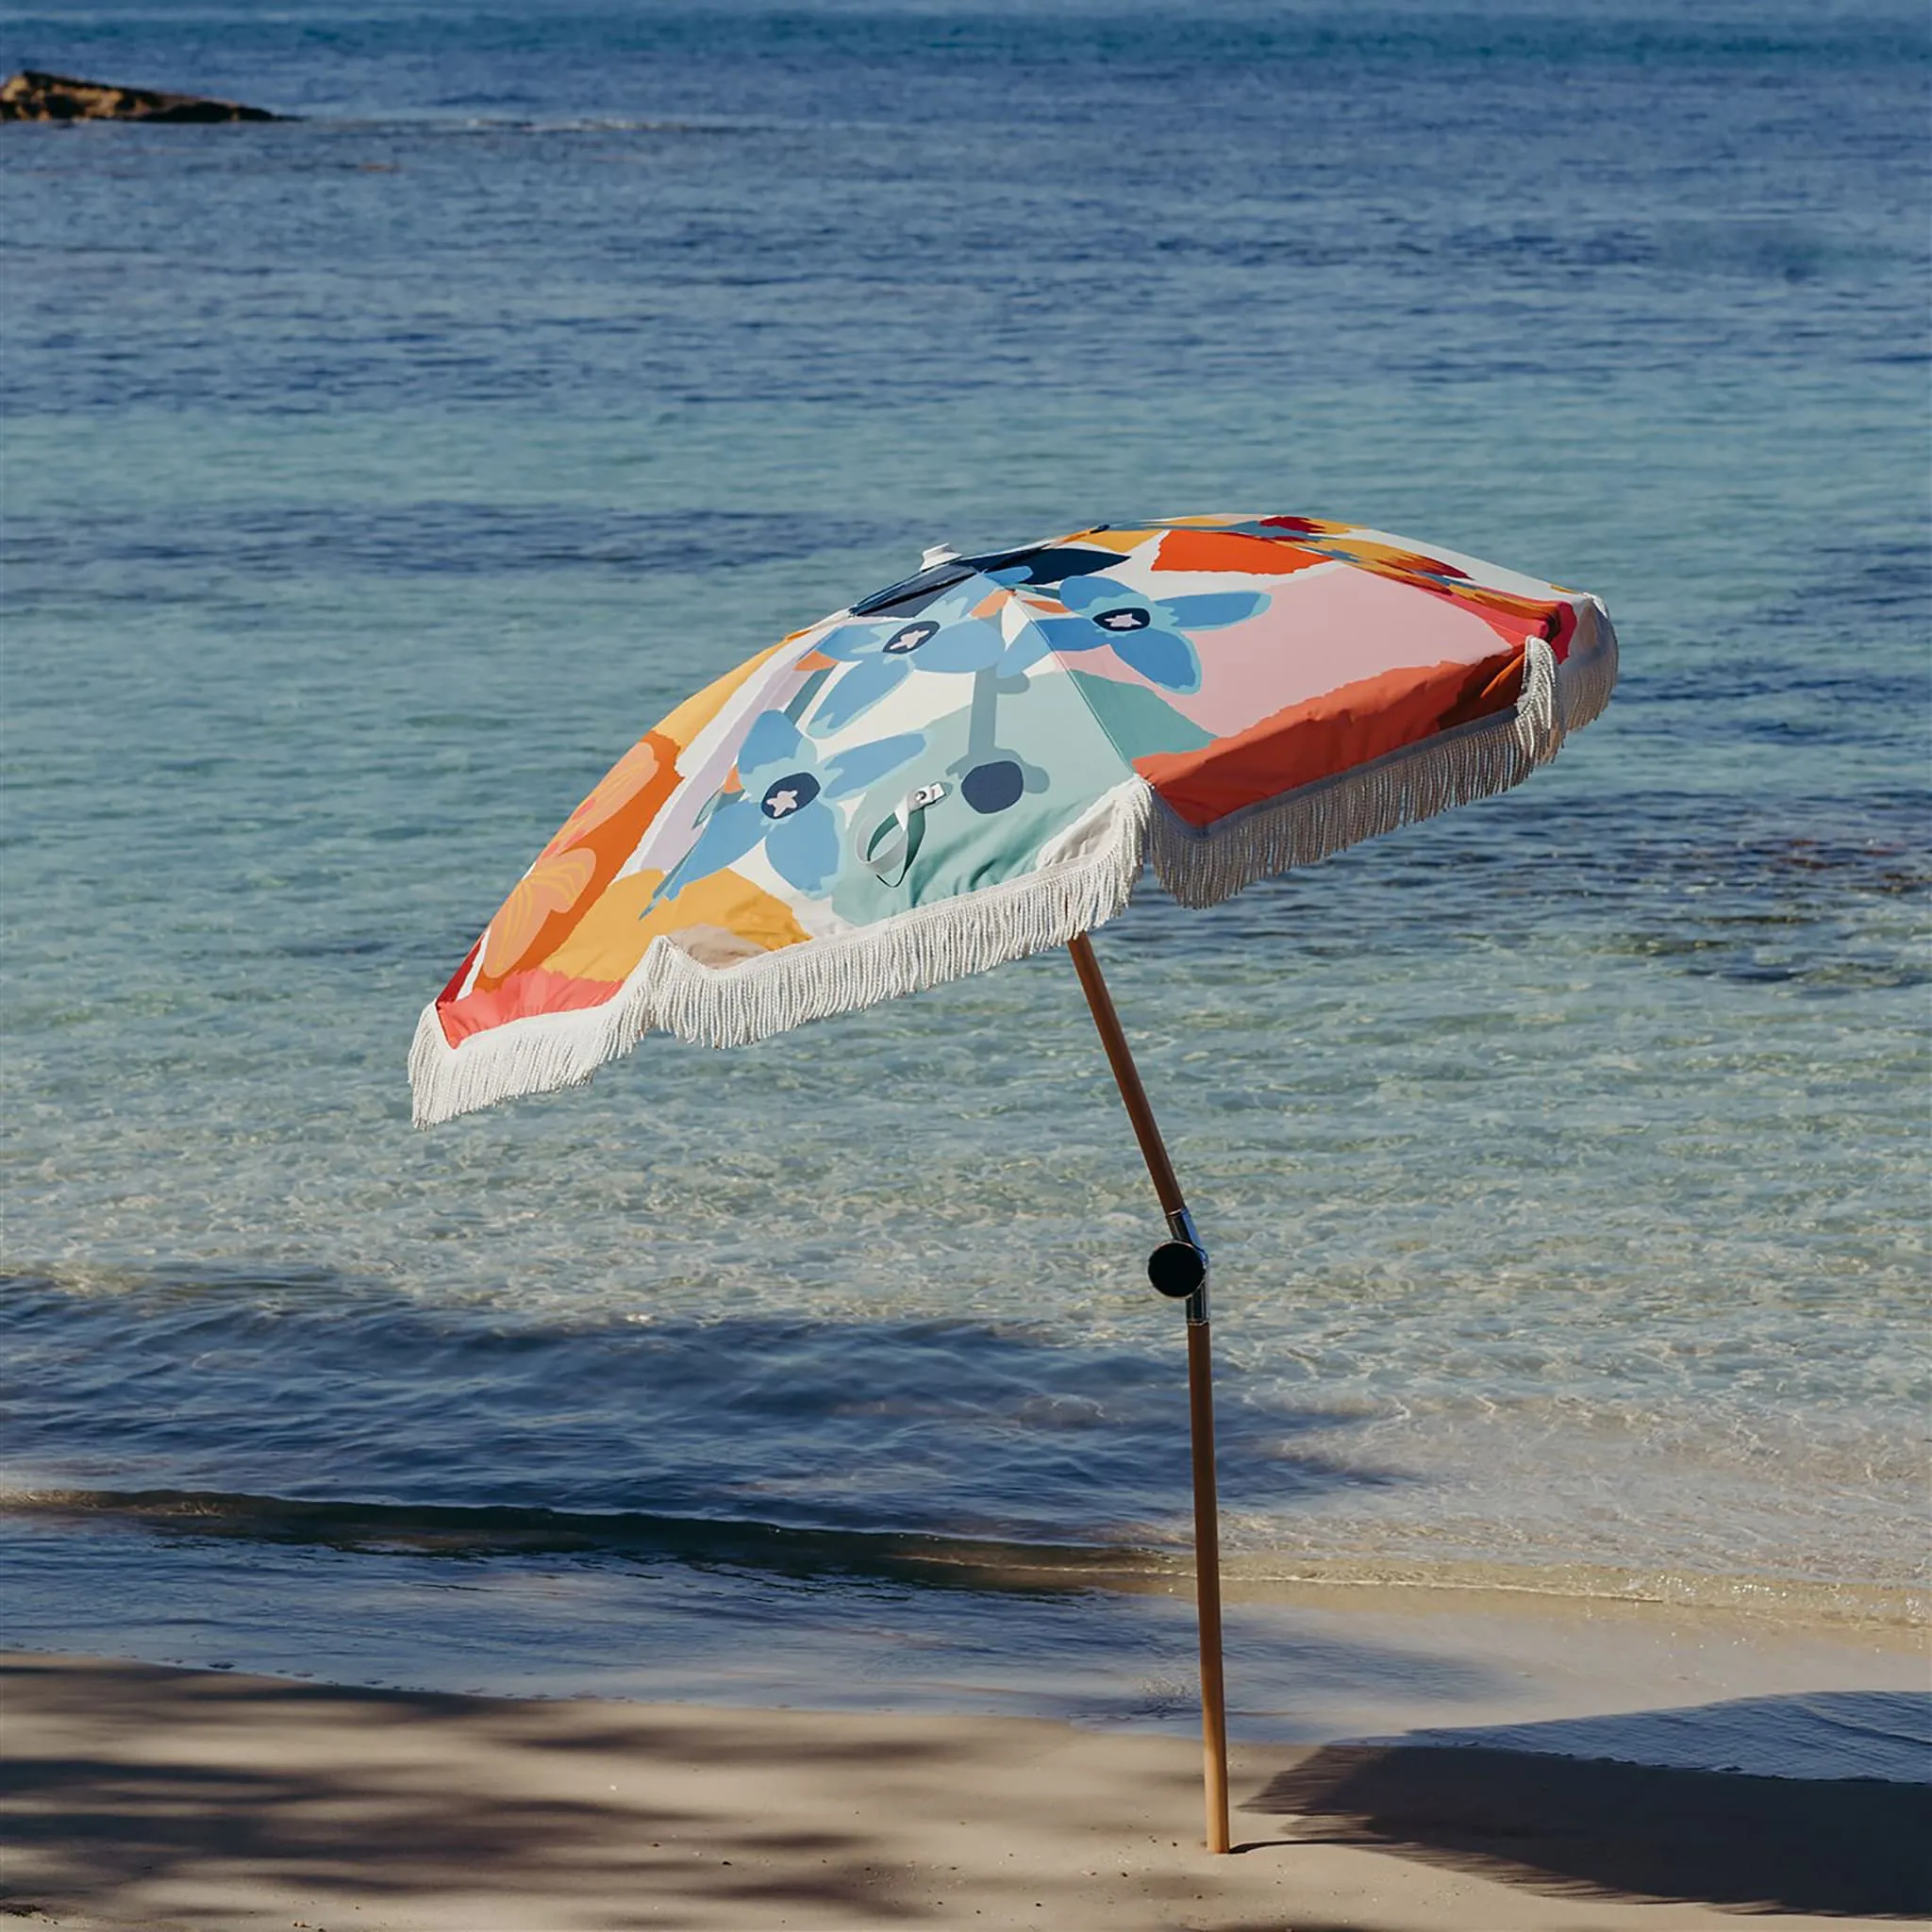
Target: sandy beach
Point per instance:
(158, 1798)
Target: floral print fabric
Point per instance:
(945, 734)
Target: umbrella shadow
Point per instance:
(1506, 1805)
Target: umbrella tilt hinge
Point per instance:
(1178, 1267)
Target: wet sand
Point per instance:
(144, 1796)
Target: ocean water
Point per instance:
(371, 480)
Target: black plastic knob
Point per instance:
(1177, 1269)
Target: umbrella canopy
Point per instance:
(978, 763)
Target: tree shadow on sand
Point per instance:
(1508, 1806)
(167, 1798)
(191, 1788)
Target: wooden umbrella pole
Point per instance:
(1167, 1188)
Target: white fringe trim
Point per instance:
(1084, 879)
(1586, 679)
(1475, 760)
(735, 1005)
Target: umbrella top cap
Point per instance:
(978, 761)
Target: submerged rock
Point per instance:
(30, 96)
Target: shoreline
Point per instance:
(1308, 1662)
(159, 1797)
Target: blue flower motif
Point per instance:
(946, 637)
(1148, 634)
(784, 804)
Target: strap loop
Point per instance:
(895, 841)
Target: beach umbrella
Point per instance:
(977, 763)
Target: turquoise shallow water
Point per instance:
(372, 480)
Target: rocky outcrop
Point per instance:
(31, 97)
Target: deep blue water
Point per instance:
(372, 479)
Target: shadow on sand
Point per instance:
(1595, 1827)
(170, 1791)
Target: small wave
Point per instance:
(945, 1562)
(432, 538)
(580, 124)
(1783, 1598)
(1824, 1735)
(480, 1531)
